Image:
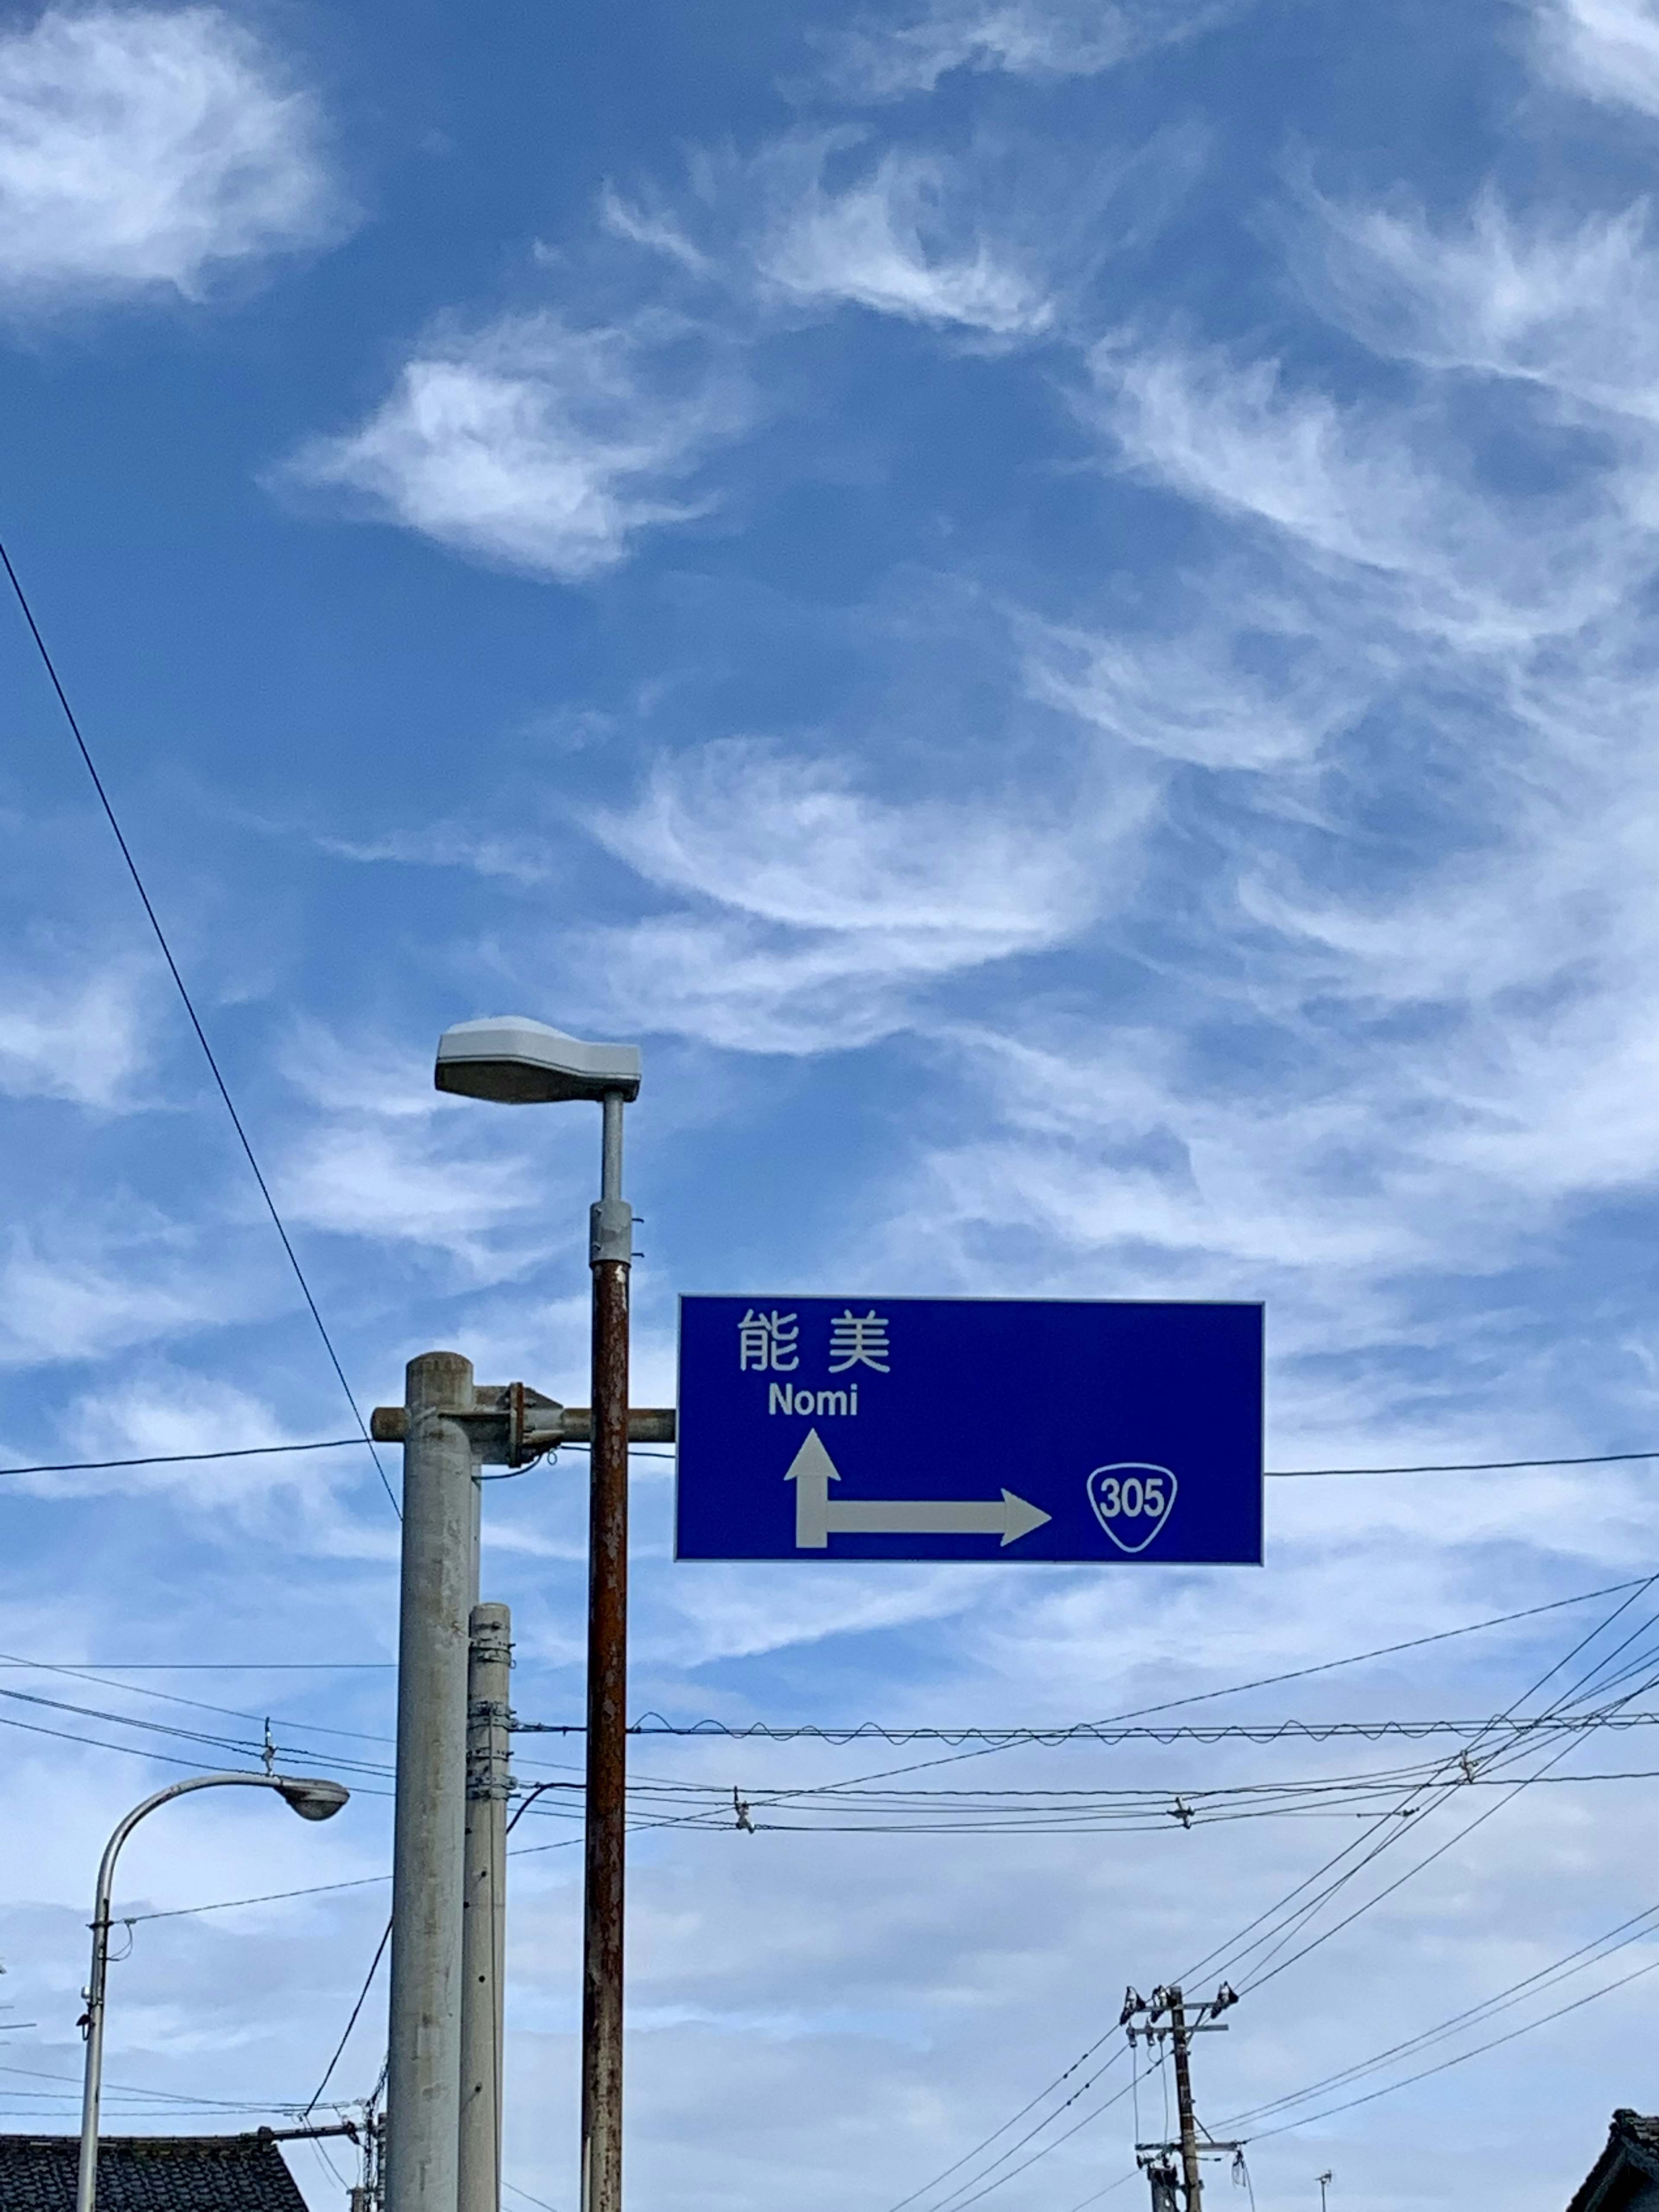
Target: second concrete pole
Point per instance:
(483, 1919)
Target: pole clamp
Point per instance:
(609, 1231)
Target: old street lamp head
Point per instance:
(312, 1797)
(520, 1062)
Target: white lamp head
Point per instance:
(520, 1062)
(312, 1797)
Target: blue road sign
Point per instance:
(969, 1429)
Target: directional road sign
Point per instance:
(872, 1428)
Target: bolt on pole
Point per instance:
(483, 1916)
(440, 1545)
(610, 1251)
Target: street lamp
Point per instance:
(311, 1798)
(1325, 2181)
(519, 1062)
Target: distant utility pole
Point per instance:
(1164, 2014)
(1192, 2185)
(1325, 2181)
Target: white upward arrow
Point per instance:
(818, 1516)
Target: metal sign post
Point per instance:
(611, 1251)
(517, 1061)
(970, 1429)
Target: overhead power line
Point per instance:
(1277, 1924)
(180, 1458)
(1639, 1928)
(1462, 2057)
(1454, 1467)
(1103, 1732)
(189, 1005)
(345, 2038)
(1269, 1474)
(1262, 1958)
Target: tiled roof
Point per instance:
(150, 2174)
(1622, 2175)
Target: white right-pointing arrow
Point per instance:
(818, 1516)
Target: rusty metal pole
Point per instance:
(611, 1247)
(1192, 2181)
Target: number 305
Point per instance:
(1131, 1495)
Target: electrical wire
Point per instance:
(1391, 1826)
(1097, 1732)
(1269, 1474)
(1627, 1592)
(268, 1897)
(362, 1999)
(1121, 2182)
(215, 1666)
(161, 2096)
(958, 2203)
(1637, 1583)
(182, 1459)
(173, 1698)
(195, 1020)
(540, 2203)
(1444, 2065)
(1637, 1928)
(1454, 1467)
(236, 1747)
(1280, 1926)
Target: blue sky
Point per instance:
(1052, 604)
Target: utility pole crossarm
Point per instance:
(542, 1424)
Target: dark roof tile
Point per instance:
(150, 2174)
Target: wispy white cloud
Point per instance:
(997, 240)
(1387, 496)
(1394, 906)
(100, 1282)
(545, 443)
(1255, 692)
(164, 1410)
(1609, 49)
(884, 57)
(910, 237)
(384, 1156)
(1569, 307)
(814, 910)
(150, 147)
(76, 1035)
(535, 443)
(360, 1179)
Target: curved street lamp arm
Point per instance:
(86, 2185)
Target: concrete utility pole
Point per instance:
(439, 1549)
(484, 1914)
(448, 1905)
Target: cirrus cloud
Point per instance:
(148, 149)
